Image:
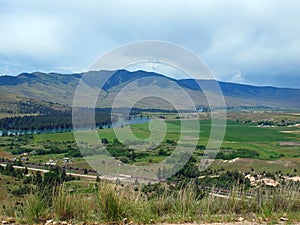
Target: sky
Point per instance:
(245, 41)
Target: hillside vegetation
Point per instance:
(57, 197)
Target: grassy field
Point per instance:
(246, 136)
(266, 141)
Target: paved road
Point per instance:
(122, 178)
(106, 177)
(45, 171)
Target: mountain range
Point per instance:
(60, 88)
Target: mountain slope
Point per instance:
(13, 105)
(268, 96)
(60, 88)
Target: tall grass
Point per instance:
(8, 208)
(186, 204)
(277, 200)
(68, 205)
(266, 201)
(182, 205)
(85, 208)
(64, 204)
(112, 203)
(34, 208)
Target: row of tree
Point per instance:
(50, 121)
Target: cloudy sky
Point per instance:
(254, 42)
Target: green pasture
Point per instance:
(264, 140)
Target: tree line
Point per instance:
(50, 121)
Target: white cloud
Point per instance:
(237, 78)
(29, 35)
(258, 37)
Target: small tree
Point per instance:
(104, 141)
(38, 179)
(136, 182)
(159, 173)
(26, 171)
(97, 179)
(164, 172)
(85, 171)
(63, 176)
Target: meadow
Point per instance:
(263, 140)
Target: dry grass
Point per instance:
(111, 203)
(34, 208)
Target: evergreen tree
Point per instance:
(159, 174)
(38, 179)
(26, 171)
(63, 176)
(136, 182)
(98, 179)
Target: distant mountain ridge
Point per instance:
(60, 88)
(284, 96)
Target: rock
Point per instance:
(11, 219)
(284, 219)
(49, 222)
(64, 223)
(55, 223)
(5, 222)
(240, 219)
(151, 221)
(125, 221)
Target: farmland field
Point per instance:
(264, 140)
(267, 142)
